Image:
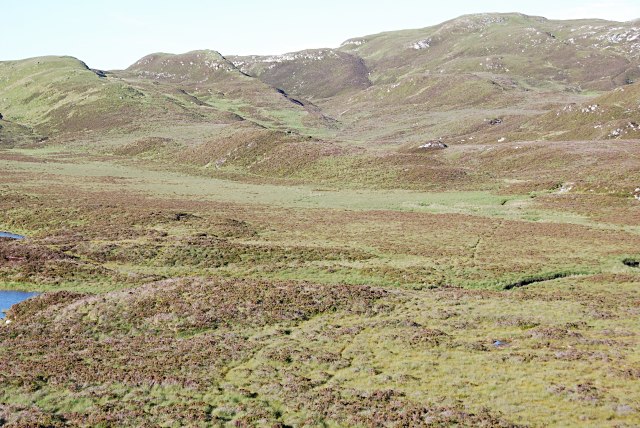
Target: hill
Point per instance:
(442, 82)
(395, 86)
(210, 79)
(57, 96)
(591, 54)
(312, 74)
(62, 94)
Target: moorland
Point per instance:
(427, 227)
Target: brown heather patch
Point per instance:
(292, 158)
(266, 153)
(135, 408)
(618, 209)
(391, 408)
(48, 301)
(4, 156)
(298, 353)
(124, 228)
(28, 262)
(427, 171)
(175, 333)
(24, 416)
(149, 145)
(200, 304)
(208, 252)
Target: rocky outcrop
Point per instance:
(433, 145)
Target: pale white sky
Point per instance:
(113, 34)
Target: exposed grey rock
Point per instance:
(437, 145)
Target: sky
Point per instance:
(113, 34)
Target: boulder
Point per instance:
(433, 145)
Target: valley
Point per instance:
(430, 227)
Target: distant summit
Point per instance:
(195, 66)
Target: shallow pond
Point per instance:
(10, 235)
(9, 298)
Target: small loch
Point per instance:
(9, 298)
(9, 235)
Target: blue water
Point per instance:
(9, 298)
(10, 235)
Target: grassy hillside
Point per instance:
(507, 65)
(57, 96)
(592, 54)
(60, 94)
(312, 74)
(614, 115)
(391, 87)
(12, 135)
(210, 79)
(444, 81)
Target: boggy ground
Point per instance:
(176, 300)
(207, 352)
